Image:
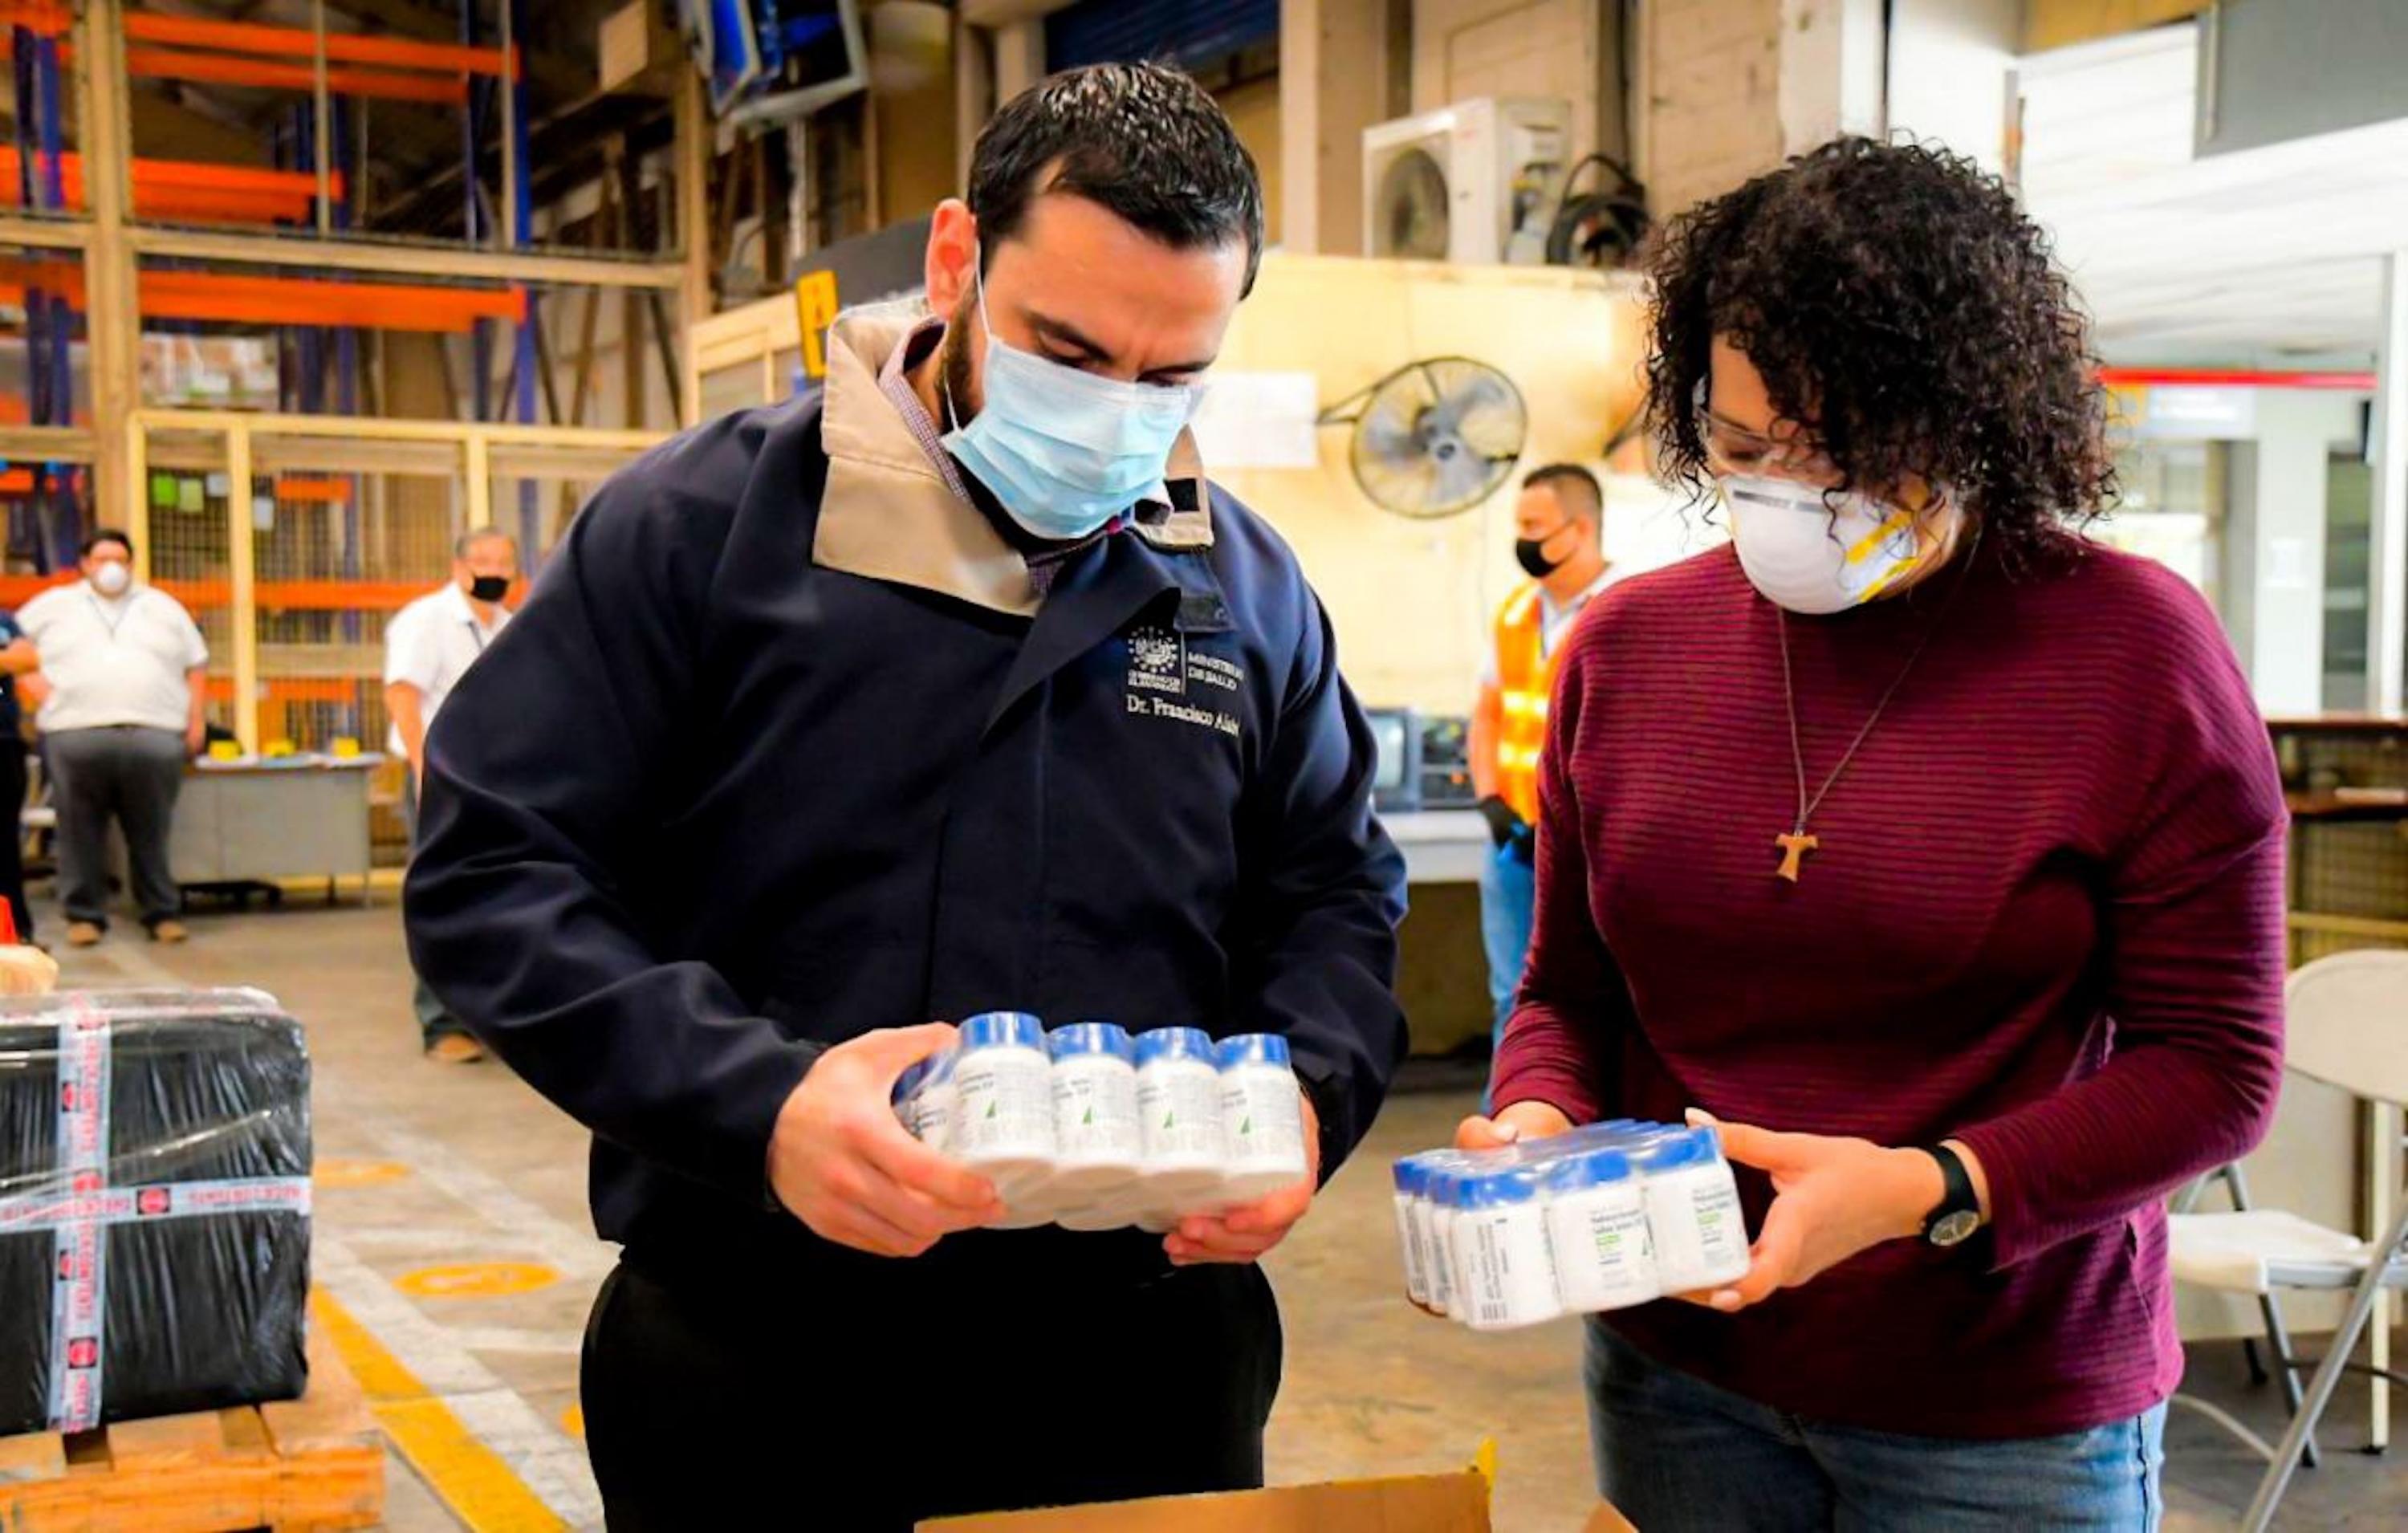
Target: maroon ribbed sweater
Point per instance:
(2046, 918)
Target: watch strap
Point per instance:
(1941, 1226)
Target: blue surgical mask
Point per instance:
(1064, 452)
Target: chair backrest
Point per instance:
(2348, 1023)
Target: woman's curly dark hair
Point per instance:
(1903, 310)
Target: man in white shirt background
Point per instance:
(124, 673)
(428, 646)
(1559, 542)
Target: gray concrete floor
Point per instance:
(425, 1167)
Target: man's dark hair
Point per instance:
(1141, 141)
(107, 535)
(1574, 487)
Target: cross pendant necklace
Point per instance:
(1798, 842)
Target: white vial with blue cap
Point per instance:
(1693, 1211)
(1411, 1177)
(936, 1094)
(1098, 1151)
(907, 1097)
(1179, 1121)
(1597, 1226)
(1262, 1118)
(1507, 1268)
(1003, 1108)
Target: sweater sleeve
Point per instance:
(1573, 1003)
(2192, 939)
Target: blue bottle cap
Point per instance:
(1411, 1178)
(1003, 1030)
(908, 1082)
(1679, 1148)
(1090, 1038)
(1518, 1186)
(1254, 1049)
(1174, 1043)
(1596, 1168)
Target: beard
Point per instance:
(953, 367)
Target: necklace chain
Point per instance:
(1806, 807)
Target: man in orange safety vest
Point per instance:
(1559, 527)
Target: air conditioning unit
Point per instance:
(1474, 183)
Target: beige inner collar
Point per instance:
(886, 514)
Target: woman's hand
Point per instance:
(1513, 1123)
(1833, 1198)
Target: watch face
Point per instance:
(1955, 1228)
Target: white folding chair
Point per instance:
(2348, 1028)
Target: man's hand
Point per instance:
(1504, 821)
(1245, 1234)
(197, 735)
(1513, 1123)
(1833, 1198)
(842, 1163)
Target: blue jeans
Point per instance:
(1508, 890)
(1675, 1452)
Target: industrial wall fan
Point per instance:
(1434, 436)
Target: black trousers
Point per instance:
(728, 1405)
(12, 834)
(132, 776)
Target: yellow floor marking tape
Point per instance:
(572, 1421)
(469, 1477)
(476, 1280)
(339, 1171)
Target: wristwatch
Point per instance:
(1958, 1213)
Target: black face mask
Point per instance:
(1531, 553)
(489, 588)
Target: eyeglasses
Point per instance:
(1734, 450)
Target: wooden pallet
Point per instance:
(306, 1464)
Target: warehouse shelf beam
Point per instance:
(412, 260)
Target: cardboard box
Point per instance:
(1426, 1503)
(639, 53)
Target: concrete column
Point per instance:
(973, 93)
(2386, 609)
(1334, 82)
(914, 94)
(1019, 57)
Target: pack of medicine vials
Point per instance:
(1606, 1216)
(1091, 1128)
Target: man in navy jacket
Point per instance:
(957, 688)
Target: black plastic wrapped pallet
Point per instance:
(191, 1191)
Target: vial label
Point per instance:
(1005, 1108)
(1095, 1115)
(1416, 1282)
(1722, 1233)
(1262, 1119)
(1437, 1257)
(934, 1122)
(1604, 1254)
(1181, 1112)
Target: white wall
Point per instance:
(1948, 65)
(2274, 544)
(1508, 48)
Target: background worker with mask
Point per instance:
(954, 688)
(125, 689)
(1559, 536)
(428, 646)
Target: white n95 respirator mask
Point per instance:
(1813, 551)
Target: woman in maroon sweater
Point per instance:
(1936, 852)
